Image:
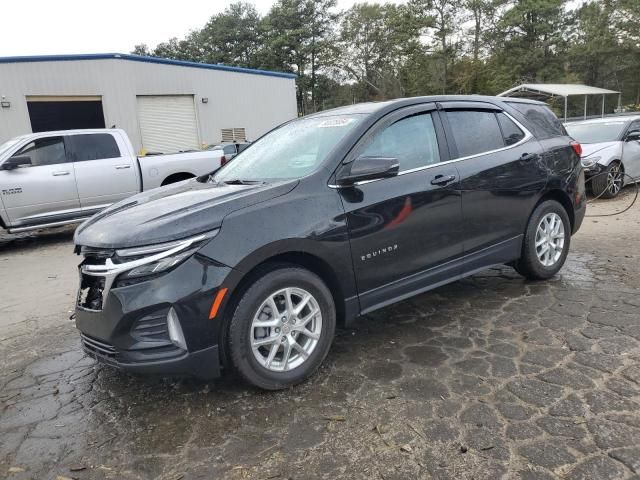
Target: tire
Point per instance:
(608, 183)
(252, 364)
(175, 178)
(534, 263)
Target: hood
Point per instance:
(591, 148)
(172, 213)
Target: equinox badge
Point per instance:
(378, 252)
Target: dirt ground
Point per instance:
(490, 377)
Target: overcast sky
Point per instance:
(43, 27)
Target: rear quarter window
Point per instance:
(510, 131)
(540, 119)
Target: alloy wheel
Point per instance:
(614, 179)
(550, 239)
(285, 329)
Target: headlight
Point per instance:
(159, 266)
(131, 264)
(152, 259)
(590, 161)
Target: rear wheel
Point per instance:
(282, 328)
(608, 183)
(546, 242)
(175, 178)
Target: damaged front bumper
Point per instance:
(158, 324)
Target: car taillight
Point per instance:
(223, 160)
(577, 148)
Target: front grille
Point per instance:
(99, 348)
(96, 253)
(90, 294)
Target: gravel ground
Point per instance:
(490, 377)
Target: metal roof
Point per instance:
(554, 90)
(140, 58)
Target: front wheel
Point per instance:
(546, 242)
(608, 183)
(282, 328)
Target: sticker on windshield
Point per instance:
(336, 122)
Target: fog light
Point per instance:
(175, 331)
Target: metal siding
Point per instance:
(255, 102)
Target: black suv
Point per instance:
(327, 217)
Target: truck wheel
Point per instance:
(175, 178)
(608, 183)
(282, 328)
(546, 242)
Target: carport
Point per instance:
(545, 91)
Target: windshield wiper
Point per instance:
(239, 181)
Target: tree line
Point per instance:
(377, 51)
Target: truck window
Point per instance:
(92, 146)
(44, 151)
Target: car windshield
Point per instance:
(293, 150)
(595, 132)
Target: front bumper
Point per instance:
(594, 169)
(130, 330)
(204, 364)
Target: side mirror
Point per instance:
(633, 135)
(367, 168)
(15, 162)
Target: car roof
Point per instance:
(615, 118)
(76, 131)
(373, 107)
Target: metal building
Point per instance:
(163, 105)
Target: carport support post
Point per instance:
(565, 109)
(603, 105)
(585, 107)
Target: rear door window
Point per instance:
(541, 119)
(510, 131)
(412, 140)
(475, 131)
(92, 146)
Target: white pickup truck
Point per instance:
(56, 178)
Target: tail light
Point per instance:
(223, 160)
(577, 148)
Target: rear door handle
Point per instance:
(122, 167)
(60, 174)
(442, 179)
(527, 157)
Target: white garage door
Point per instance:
(168, 123)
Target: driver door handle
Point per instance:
(527, 157)
(442, 179)
(59, 174)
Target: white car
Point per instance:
(56, 178)
(610, 152)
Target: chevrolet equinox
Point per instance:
(325, 218)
